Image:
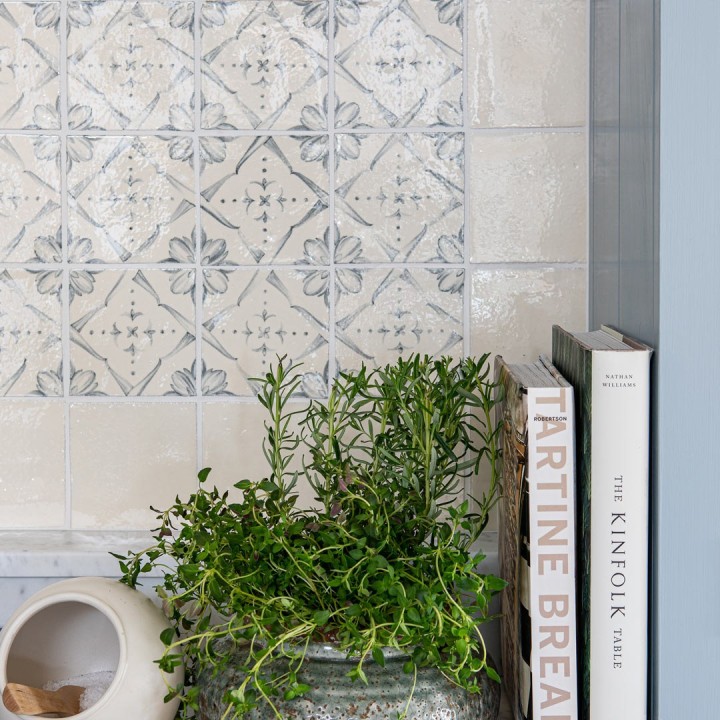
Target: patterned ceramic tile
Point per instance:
(263, 61)
(264, 200)
(263, 315)
(29, 65)
(130, 197)
(135, 330)
(400, 60)
(528, 63)
(513, 311)
(528, 197)
(130, 62)
(29, 198)
(30, 330)
(32, 478)
(403, 197)
(398, 312)
(233, 434)
(148, 457)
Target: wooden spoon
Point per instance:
(26, 700)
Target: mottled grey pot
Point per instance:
(335, 697)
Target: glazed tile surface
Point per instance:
(190, 189)
(29, 65)
(30, 199)
(130, 197)
(130, 62)
(265, 200)
(263, 61)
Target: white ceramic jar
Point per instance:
(89, 625)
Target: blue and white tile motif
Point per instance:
(196, 198)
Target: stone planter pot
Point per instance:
(335, 697)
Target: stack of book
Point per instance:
(574, 528)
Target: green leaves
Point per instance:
(383, 561)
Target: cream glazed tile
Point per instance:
(135, 331)
(528, 63)
(260, 316)
(265, 200)
(32, 472)
(30, 331)
(233, 435)
(398, 312)
(130, 62)
(126, 457)
(400, 60)
(29, 198)
(513, 311)
(130, 196)
(29, 65)
(528, 197)
(263, 61)
(403, 197)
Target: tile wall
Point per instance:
(188, 189)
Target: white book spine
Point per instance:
(619, 535)
(551, 479)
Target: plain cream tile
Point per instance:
(528, 63)
(127, 457)
(233, 435)
(513, 311)
(32, 472)
(528, 197)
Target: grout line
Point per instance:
(332, 233)
(197, 91)
(467, 278)
(65, 235)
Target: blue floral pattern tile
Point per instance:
(264, 200)
(29, 62)
(29, 199)
(263, 61)
(130, 197)
(263, 315)
(400, 60)
(30, 334)
(130, 62)
(403, 197)
(134, 331)
(398, 312)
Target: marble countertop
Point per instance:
(65, 553)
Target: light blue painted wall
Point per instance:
(688, 364)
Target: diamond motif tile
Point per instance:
(261, 316)
(30, 331)
(400, 60)
(264, 200)
(262, 62)
(29, 65)
(134, 331)
(398, 312)
(29, 198)
(403, 197)
(130, 62)
(130, 198)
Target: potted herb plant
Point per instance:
(383, 573)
